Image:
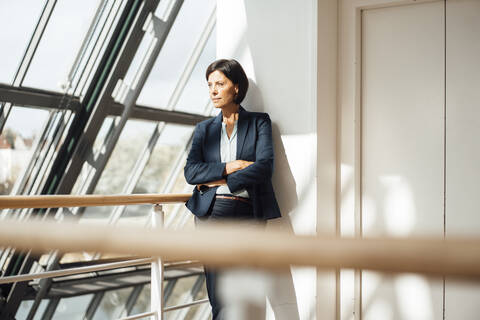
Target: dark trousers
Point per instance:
(222, 210)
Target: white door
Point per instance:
(392, 102)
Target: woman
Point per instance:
(231, 160)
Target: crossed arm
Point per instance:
(236, 174)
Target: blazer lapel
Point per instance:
(213, 138)
(242, 128)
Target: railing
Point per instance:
(229, 245)
(157, 220)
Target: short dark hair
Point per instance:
(232, 70)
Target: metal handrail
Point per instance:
(98, 267)
(73, 271)
(140, 316)
(185, 305)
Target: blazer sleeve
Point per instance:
(197, 171)
(262, 169)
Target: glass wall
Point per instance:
(54, 53)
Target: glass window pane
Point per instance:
(18, 19)
(61, 41)
(177, 216)
(172, 141)
(72, 308)
(87, 169)
(171, 61)
(24, 309)
(195, 96)
(182, 291)
(17, 142)
(133, 139)
(143, 301)
(136, 215)
(112, 305)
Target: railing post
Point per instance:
(156, 285)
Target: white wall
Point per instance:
(275, 41)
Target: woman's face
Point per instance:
(222, 90)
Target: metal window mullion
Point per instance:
(132, 299)
(92, 63)
(97, 48)
(192, 61)
(28, 56)
(86, 41)
(167, 292)
(50, 310)
(93, 305)
(59, 139)
(34, 42)
(47, 160)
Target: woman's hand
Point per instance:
(212, 184)
(236, 165)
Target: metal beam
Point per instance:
(36, 98)
(153, 114)
(23, 96)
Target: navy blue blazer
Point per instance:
(254, 143)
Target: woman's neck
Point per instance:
(230, 113)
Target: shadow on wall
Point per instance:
(282, 295)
